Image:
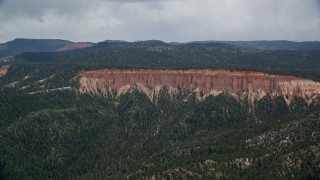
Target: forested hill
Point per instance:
(20, 45)
(275, 45)
(157, 54)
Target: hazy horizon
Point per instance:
(259, 40)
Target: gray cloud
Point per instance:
(133, 1)
(169, 20)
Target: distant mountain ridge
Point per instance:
(273, 45)
(18, 46)
(21, 45)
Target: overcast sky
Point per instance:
(167, 20)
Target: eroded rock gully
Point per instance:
(255, 84)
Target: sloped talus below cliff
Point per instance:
(254, 84)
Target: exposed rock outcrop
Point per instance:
(6, 59)
(78, 45)
(4, 70)
(255, 84)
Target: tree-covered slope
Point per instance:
(154, 54)
(65, 135)
(276, 45)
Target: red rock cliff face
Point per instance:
(255, 84)
(4, 70)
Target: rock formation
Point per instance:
(4, 70)
(78, 45)
(255, 84)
